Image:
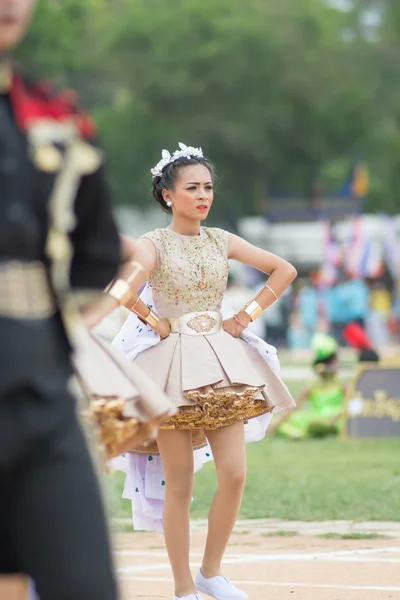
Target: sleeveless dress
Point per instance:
(212, 379)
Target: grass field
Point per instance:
(308, 480)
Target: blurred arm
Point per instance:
(300, 399)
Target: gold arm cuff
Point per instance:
(120, 290)
(138, 268)
(152, 319)
(254, 310)
(272, 291)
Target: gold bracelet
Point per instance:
(254, 310)
(272, 291)
(120, 290)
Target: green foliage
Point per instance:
(320, 430)
(353, 536)
(277, 92)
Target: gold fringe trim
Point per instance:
(217, 408)
(118, 433)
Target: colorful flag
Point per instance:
(371, 264)
(391, 245)
(354, 248)
(360, 181)
(363, 254)
(357, 183)
(332, 257)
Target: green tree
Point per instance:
(275, 91)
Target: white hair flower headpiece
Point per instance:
(168, 158)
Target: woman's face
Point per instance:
(329, 370)
(15, 16)
(192, 194)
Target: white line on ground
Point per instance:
(361, 556)
(338, 586)
(361, 551)
(367, 556)
(164, 554)
(251, 560)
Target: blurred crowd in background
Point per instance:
(311, 306)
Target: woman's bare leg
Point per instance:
(177, 457)
(228, 447)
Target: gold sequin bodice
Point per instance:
(191, 272)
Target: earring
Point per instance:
(169, 204)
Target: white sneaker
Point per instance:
(190, 597)
(219, 588)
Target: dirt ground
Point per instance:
(276, 568)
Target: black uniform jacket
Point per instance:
(32, 350)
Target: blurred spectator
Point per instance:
(356, 337)
(298, 335)
(307, 303)
(379, 314)
(347, 301)
(380, 299)
(320, 407)
(277, 319)
(323, 325)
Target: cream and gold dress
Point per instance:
(212, 378)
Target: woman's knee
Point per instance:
(177, 458)
(180, 484)
(232, 478)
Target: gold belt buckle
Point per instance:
(202, 323)
(199, 323)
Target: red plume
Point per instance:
(356, 337)
(38, 101)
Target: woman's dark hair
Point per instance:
(322, 366)
(326, 361)
(170, 174)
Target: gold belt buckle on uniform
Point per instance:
(197, 323)
(25, 292)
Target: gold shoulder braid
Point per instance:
(5, 75)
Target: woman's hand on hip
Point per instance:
(163, 328)
(232, 327)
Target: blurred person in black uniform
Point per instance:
(52, 523)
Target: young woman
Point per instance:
(217, 380)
